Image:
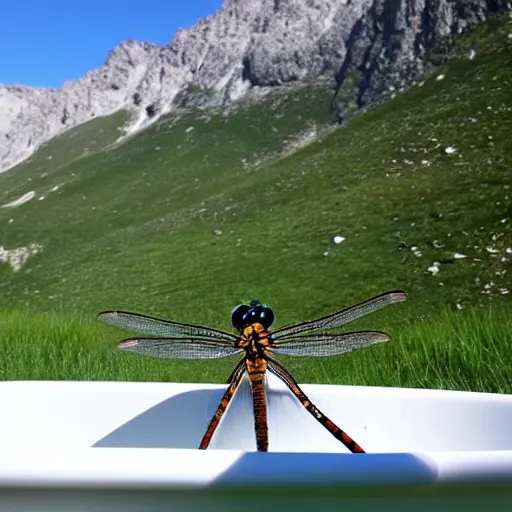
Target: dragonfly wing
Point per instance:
(319, 345)
(142, 324)
(177, 348)
(341, 317)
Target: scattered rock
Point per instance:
(434, 268)
(16, 258)
(21, 200)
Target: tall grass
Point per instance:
(466, 350)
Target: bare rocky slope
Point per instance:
(245, 46)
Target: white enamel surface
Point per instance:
(139, 435)
(64, 415)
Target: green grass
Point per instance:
(453, 350)
(42, 167)
(204, 211)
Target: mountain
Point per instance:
(248, 45)
(203, 211)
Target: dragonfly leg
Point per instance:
(236, 378)
(336, 431)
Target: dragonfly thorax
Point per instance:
(254, 339)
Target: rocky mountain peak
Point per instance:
(131, 53)
(245, 44)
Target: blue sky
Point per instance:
(45, 42)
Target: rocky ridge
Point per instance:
(247, 45)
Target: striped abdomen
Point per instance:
(256, 370)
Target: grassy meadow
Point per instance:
(206, 210)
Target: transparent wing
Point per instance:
(319, 345)
(341, 317)
(177, 348)
(142, 324)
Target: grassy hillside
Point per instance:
(42, 168)
(204, 211)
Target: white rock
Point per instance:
(415, 250)
(433, 269)
(16, 258)
(21, 200)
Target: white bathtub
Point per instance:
(133, 446)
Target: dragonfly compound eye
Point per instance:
(260, 314)
(266, 316)
(238, 316)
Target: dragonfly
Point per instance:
(258, 347)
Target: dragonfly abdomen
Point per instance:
(256, 370)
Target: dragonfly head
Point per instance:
(246, 314)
